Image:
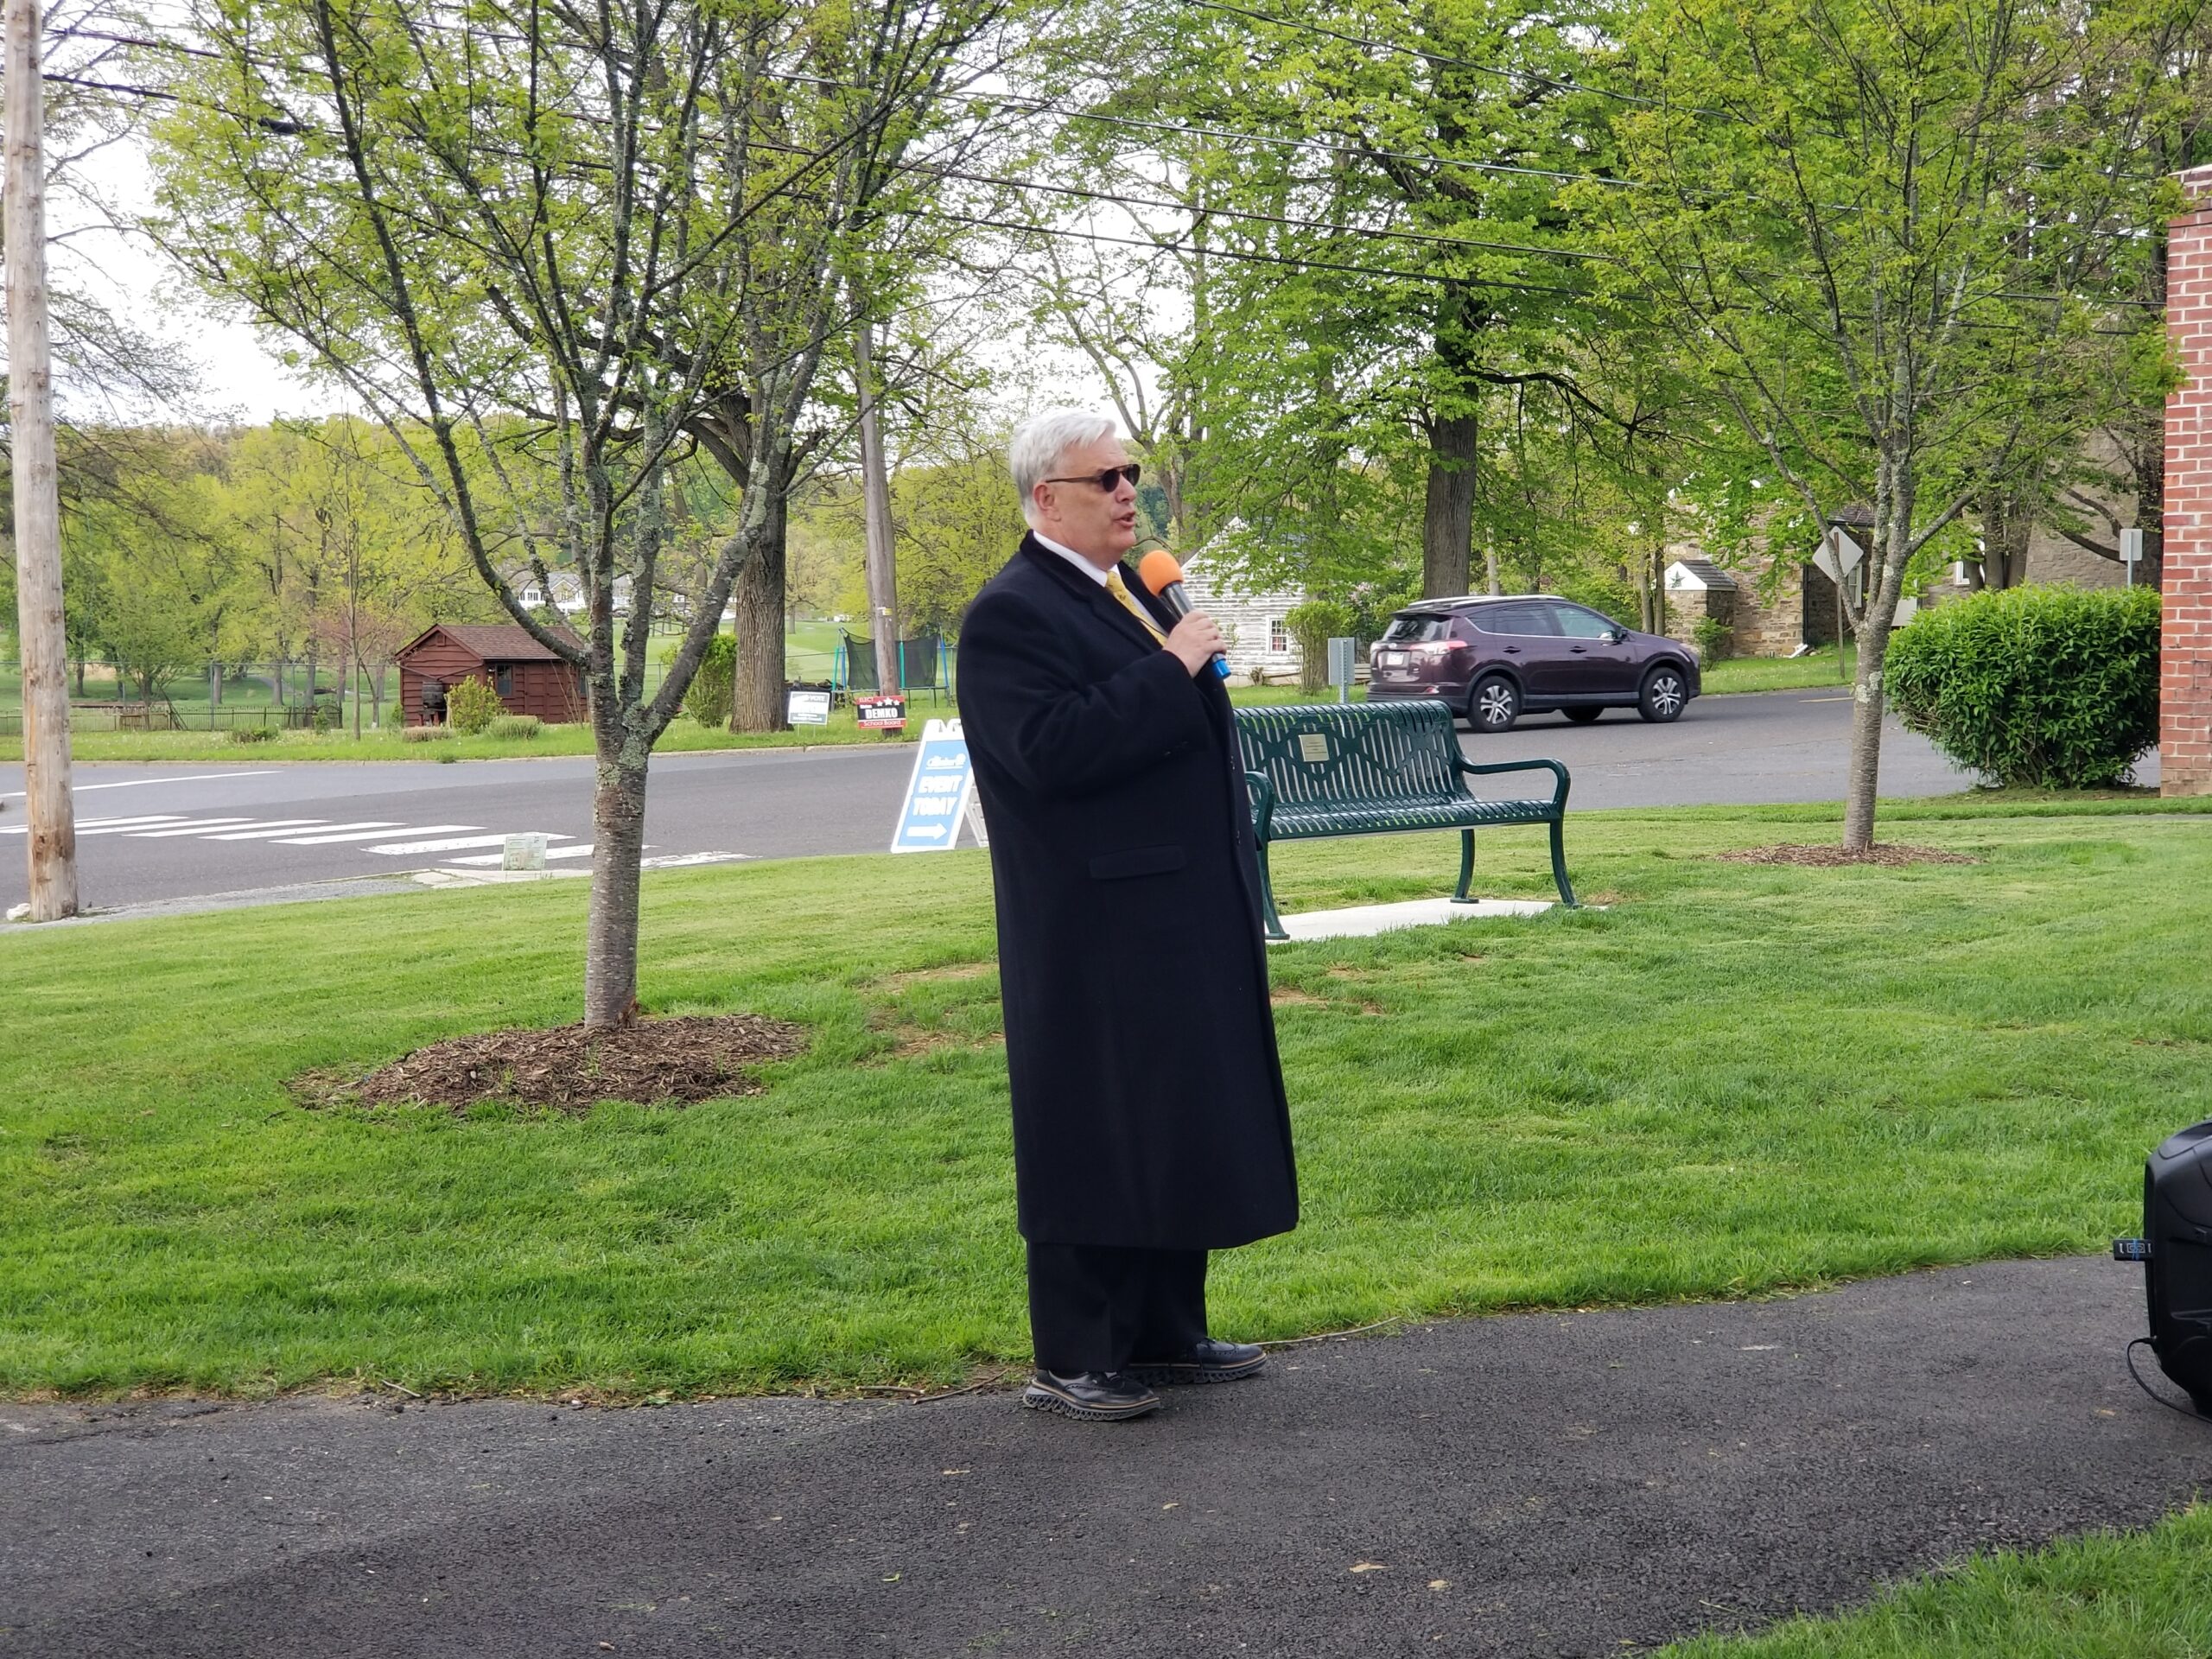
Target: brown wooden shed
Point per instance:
(530, 679)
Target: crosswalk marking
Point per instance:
(105, 827)
(583, 851)
(273, 827)
(190, 827)
(408, 848)
(363, 831)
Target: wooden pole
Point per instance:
(876, 513)
(53, 837)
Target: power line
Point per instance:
(1176, 244)
(1426, 237)
(288, 127)
(1425, 54)
(1430, 55)
(1319, 146)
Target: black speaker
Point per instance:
(2175, 1250)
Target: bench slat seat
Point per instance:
(1361, 769)
(1299, 823)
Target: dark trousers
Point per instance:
(1095, 1307)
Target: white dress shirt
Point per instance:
(1074, 558)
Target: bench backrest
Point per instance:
(1317, 754)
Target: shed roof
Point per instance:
(494, 642)
(1699, 573)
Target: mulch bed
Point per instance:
(1832, 857)
(654, 1062)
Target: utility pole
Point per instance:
(53, 838)
(875, 511)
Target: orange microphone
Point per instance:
(1163, 577)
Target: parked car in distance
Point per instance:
(1496, 658)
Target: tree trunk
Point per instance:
(1449, 520)
(1493, 578)
(618, 822)
(756, 702)
(2006, 524)
(1866, 693)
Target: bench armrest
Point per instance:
(1474, 769)
(1263, 803)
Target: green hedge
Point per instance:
(2041, 687)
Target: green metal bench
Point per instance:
(1377, 768)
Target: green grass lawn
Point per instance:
(810, 650)
(1737, 1079)
(2141, 1596)
(1814, 668)
(682, 736)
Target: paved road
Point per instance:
(156, 833)
(1534, 1485)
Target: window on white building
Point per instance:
(1278, 636)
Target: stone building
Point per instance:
(1773, 608)
(1778, 607)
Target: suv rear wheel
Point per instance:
(1494, 704)
(1663, 696)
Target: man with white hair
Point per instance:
(1149, 1121)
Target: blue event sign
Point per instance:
(938, 792)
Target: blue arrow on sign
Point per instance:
(937, 793)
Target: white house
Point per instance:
(568, 591)
(1254, 622)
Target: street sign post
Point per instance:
(939, 794)
(1840, 554)
(1341, 652)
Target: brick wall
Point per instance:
(2185, 687)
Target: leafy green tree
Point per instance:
(1859, 220)
(551, 244)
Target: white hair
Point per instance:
(1040, 442)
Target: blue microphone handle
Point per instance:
(1177, 601)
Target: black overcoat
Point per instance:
(1148, 1107)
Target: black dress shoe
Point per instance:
(1208, 1361)
(1094, 1396)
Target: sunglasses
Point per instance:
(1107, 480)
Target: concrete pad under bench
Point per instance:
(1364, 921)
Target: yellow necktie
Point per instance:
(1120, 589)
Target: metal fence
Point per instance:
(266, 695)
(183, 717)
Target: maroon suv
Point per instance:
(1495, 660)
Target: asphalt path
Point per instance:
(1582, 1484)
(155, 833)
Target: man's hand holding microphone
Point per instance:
(1196, 639)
